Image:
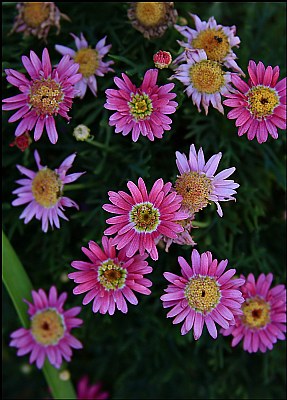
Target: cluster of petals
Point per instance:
(271, 95)
(25, 341)
(222, 189)
(101, 67)
(86, 391)
(47, 214)
(154, 101)
(63, 77)
(164, 203)
(229, 296)
(268, 315)
(190, 34)
(107, 299)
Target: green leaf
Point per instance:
(19, 287)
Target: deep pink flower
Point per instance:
(49, 334)
(197, 183)
(263, 321)
(203, 294)
(141, 110)
(110, 278)
(48, 93)
(162, 59)
(90, 61)
(143, 217)
(43, 190)
(90, 392)
(259, 106)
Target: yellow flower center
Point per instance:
(213, 42)
(145, 217)
(111, 275)
(262, 100)
(150, 14)
(207, 76)
(202, 293)
(45, 96)
(140, 106)
(195, 189)
(34, 14)
(48, 327)
(256, 313)
(88, 59)
(47, 188)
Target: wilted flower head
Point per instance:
(90, 61)
(22, 142)
(263, 319)
(43, 190)
(205, 79)
(162, 59)
(49, 334)
(37, 18)
(203, 294)
(48, 93)
(90, 392)
(152, 19)
(81, 132)
(216, 40)
(259, 106)
(141, 110)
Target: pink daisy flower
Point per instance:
(141, 110)
(93, 392)
(143, 217)
(259, 106)
(263, 321)
(43, 190)
(203, 294)
(216, 40)
(90, 61)
(49, 334)
(206, 81)
(197, 183)
(46, 94)
(110, 278)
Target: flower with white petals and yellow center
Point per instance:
(262, 101)
(45, 96)
(145, 217)
(202, 293)
(111, 275)
(47, 188)
(256, 313)
(47, 327)
(88, 59)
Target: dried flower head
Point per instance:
(22, 142)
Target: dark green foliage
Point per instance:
(142, 355)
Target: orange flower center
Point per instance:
(150, 14)
(256, 313)
(46, 96)
(213, 42)
(88, 59)
(47, 188)
(48, 327)
(34, 14)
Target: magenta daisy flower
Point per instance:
(216, 40)
(49, 334)
(46, 94)
(205, 79)
(110, 278)
(203, 294)
(90, 61)
(259, 105)
(143, 217)
(93, 392)
(43, 190)
(141, 110)
(263, 321)
(197, 183)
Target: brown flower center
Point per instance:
(202, 293)
(207, 76)
(34, 14)
(47, 188)
(47, 327)
(46, 96)
(262, 100)
(256, 313)
(145, 216)
(150, 14)
(88, 59)
(111, 275)
(213, 42)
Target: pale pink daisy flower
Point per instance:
(143, 217)
(216, 40)
(205, 79)
(203, 294)
(110, 278)
(263, 321)
(197, 183)
(259, 106)
(90, 392)
(90, 61)
(49, 92)
(49, 334)
(141, 110)
(43, 190)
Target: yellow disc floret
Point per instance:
(256, 313)
(47, 188)
(150, 14)
(202, 293)
(88, 59)
(214, 42)
(140, 106)
(145, 216)
(47, 327)
(207, 76)
(111, 275)
(45, 96)
(34, 14)
(262, 100)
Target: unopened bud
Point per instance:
(162, 59)
(81, 132)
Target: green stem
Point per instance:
(19, 287)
